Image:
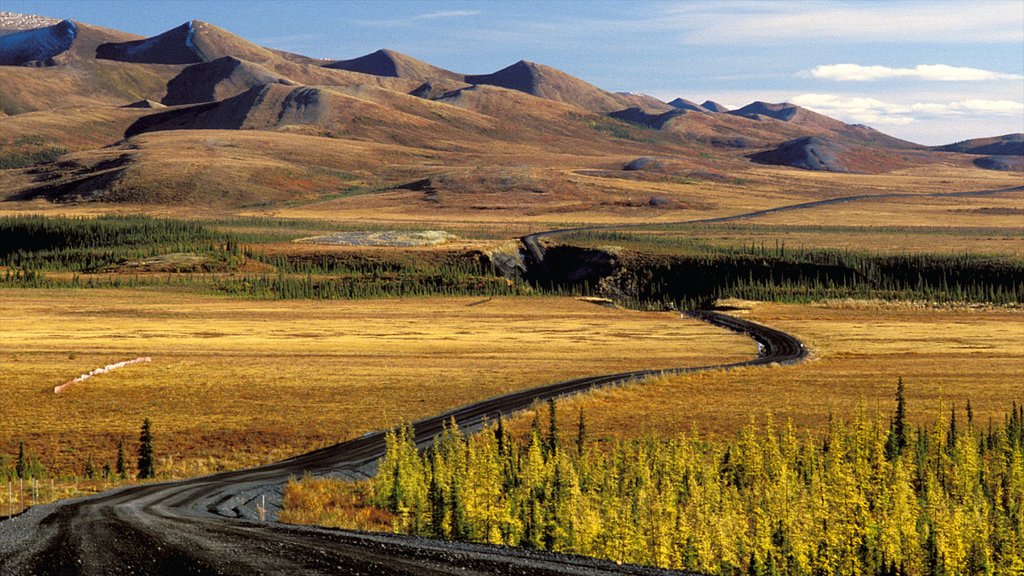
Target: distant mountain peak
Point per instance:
(553, 84)
(780, 111)
(190, 43)
(713, 106)
(390, 63)
(684, 104)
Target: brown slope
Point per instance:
(77, 79)
(357, 112)
(192, 42)
(35, 41)
(394, 64)
(712, 106)
(201, 169)
(553, 84)
(217, 80)
(1005, 145)
(74, 128)
(645, 102)
(436, 89)
(683, 104)
(819, 123)
(808, 152)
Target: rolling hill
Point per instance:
(390, 63)
(552, 84)
(1005, 145)
(126, 111)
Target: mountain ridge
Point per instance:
(109, 89)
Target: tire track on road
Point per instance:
(204, 525)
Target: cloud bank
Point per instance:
(870, 110)
(765, 23)
(934, 72)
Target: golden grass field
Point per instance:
(945, 356)
(984, 225)
(235, 383)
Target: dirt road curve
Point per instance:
(207, 525)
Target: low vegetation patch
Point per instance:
(861, 498)
(699, 273)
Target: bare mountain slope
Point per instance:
(547, 82)
(27, 40)
(390, 63)
(793, 114)
(192, 42)
(197, 169)
(336, 112)
(74, 77)
(1005, 145)
(683, 104)
(809, 152)
(38, 47)
(217, 80)
(712, 106)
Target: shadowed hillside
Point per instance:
(391, 63)
(218, 79)
(683, 104)
(87, 113)
(809, 152)
(1006, 145)
(547, 82)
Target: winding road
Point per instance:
(208, 525)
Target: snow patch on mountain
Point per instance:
(11, 22)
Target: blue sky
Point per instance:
(932, 71)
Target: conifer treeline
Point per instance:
(30, 246)
(693, 281)
(861, 499)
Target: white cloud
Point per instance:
(411, 20)
(739, 23)
(446, 14)
(873, 111)
(937, 72)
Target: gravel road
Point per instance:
(208, 525)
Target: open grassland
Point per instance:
(1003, 241)
(235, 383)
(948, 356)
(538, 191)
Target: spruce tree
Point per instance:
(21, 466)
(146, 466)
(581, 433)
(897, 439)
(552, 444)
(437, 502)
(535, 425)
(900, 420)
(121, 466)
(951, 433)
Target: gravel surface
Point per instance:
(206, 525)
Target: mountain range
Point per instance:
(199, 114)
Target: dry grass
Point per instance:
(236, 383)
(860, 348)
